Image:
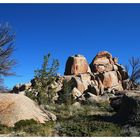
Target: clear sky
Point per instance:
(68, 29)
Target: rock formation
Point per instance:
(104, 74)
(76, 65)
(16, 107)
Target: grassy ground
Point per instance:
(87, 120)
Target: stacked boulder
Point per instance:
(109, 71)
(103, 74)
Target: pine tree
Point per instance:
(44, 79)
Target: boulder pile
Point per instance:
(104, 74)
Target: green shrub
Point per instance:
(83, 126)
(4, 129)
(23, 123)
(32, 128)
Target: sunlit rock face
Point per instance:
(76, 64)
(102, 62)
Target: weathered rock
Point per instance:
(86, 80)
(108, 73)
(102, 62)
(16, 107)
(76, 65)
(111, 80)
(78, 84)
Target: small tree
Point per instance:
(45, 77)
(135, 73)
(7, 39)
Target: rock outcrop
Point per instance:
(104, 74)
(16, 107)
(109, 71)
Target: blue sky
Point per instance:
(68, 29)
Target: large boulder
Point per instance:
(102, 62)
(16, 107)
(76, 64)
